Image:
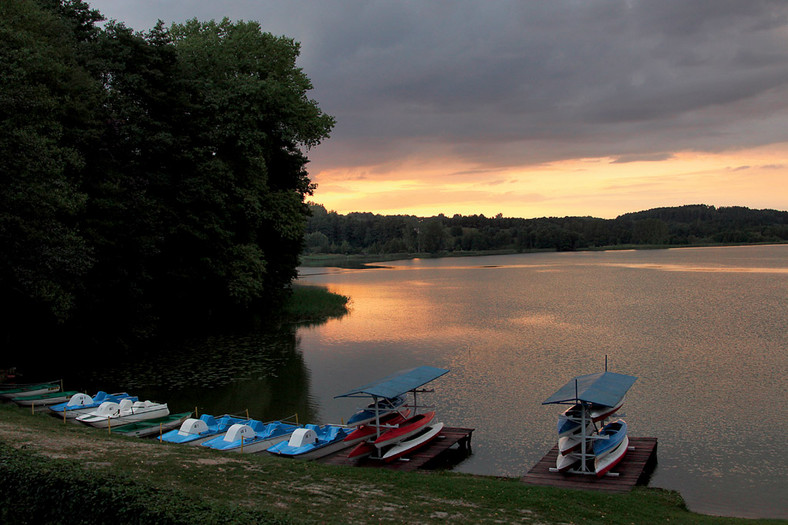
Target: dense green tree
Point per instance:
(240, 211)
(148, 174)
(46, 101)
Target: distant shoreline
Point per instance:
(357, 261)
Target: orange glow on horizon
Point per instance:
(599, 187)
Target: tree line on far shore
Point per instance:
(371, 234)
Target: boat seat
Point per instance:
(238, 431)
(80, 400)
(257, 426)
(108, 408)
(192, 427)
(303, 436)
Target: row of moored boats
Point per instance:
(385, 430)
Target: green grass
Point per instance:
(301, 492)
(314, 304)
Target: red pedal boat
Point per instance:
(370, 429)
(405, 430)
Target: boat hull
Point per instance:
(124, 419)
(257, 446)
(407, 429)
(615, 433)
(42, 400)
(369, 430)
(31, 390)
(408, 446)
(603, 465)
(319, 452)
(152, 427)
(565, 462)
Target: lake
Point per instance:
(705, 330)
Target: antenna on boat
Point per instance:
(605, 362)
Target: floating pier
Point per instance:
(438, 452)
(634, 469)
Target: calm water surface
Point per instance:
(705, 330)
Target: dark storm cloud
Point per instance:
(517, 83)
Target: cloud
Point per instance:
(495, 86)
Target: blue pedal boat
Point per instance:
(312, 442)
(251, 436)
(196, 431)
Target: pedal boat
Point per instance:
(115, 414)
(197, 431)
(313, 442)
(251, 436)
(80, 404)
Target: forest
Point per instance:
(148, 178)
(366, 233)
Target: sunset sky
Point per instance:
(532, 108)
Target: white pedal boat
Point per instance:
(114, 414)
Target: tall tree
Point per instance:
(46, 101)
(241, 211)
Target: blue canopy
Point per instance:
(398, 383)
(603, 388)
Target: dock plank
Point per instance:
(634, 469)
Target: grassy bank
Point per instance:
(194, 480)
(314, 304)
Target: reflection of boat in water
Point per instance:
(412, 444)
(312, 442)
(82, 403)
(196, 431)
(251, 436)
(125, 412)
(152, 427)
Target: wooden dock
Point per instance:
(634, 469)
(440, 451)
